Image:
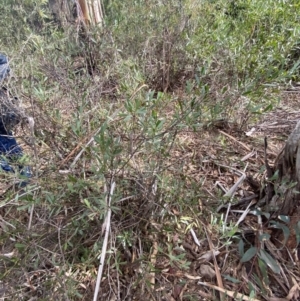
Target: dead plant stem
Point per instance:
(104, 247)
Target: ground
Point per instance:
(177, 251)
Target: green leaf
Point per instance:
(284, 218)
(250, 253)
(270, 261)
(24, 207)
(241, 246)
(284, 228)
(264, 236)
(258, 212)
(295, 67)
(87, 203)
(234, 280)
(259, 281)
(275, 176)
(264, 272)
(20, 246)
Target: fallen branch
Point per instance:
(104, 247)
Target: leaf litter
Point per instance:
(198, 253)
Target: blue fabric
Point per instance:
(9, 146)
(4, 67)
(10, 151)
(9, 116)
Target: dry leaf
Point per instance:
(207, 271)
(209, 255)
(232, 294)
(249, 133)
(176, 290)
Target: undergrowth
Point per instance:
(118, 104)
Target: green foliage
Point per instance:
(111, 102)
(249, 254)
(20, 18)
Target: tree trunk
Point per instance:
(90, 12)
(287, 184)
(87, 12)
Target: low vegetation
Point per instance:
(146, 116)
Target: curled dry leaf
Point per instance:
(209, 255)
(207, 271)
(250, 133)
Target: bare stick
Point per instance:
(104, 247)
(232, 294)
(31, 127)
(239, 142)
(83, 149)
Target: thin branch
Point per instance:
(232, 294)
(31, 127)
(104, 247)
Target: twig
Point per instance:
(137, 90)
(239, 142)
(104, 247)
(66, 159)
(218, 274)
(232, 190)
(245, 213)
(11, 202)
(153, 258)
(232, 294)
(110, 118)
(64, 261)
(83, 149)
(31, 127)
(30, 216)
(245, 158)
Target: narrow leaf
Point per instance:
(284, 228)
(284, 218)
(250, 253)
(264, 236)
(270, 261)
(234, 280)
(241, 248)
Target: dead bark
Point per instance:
(86, 12)
(90, 12)
(287, 185)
